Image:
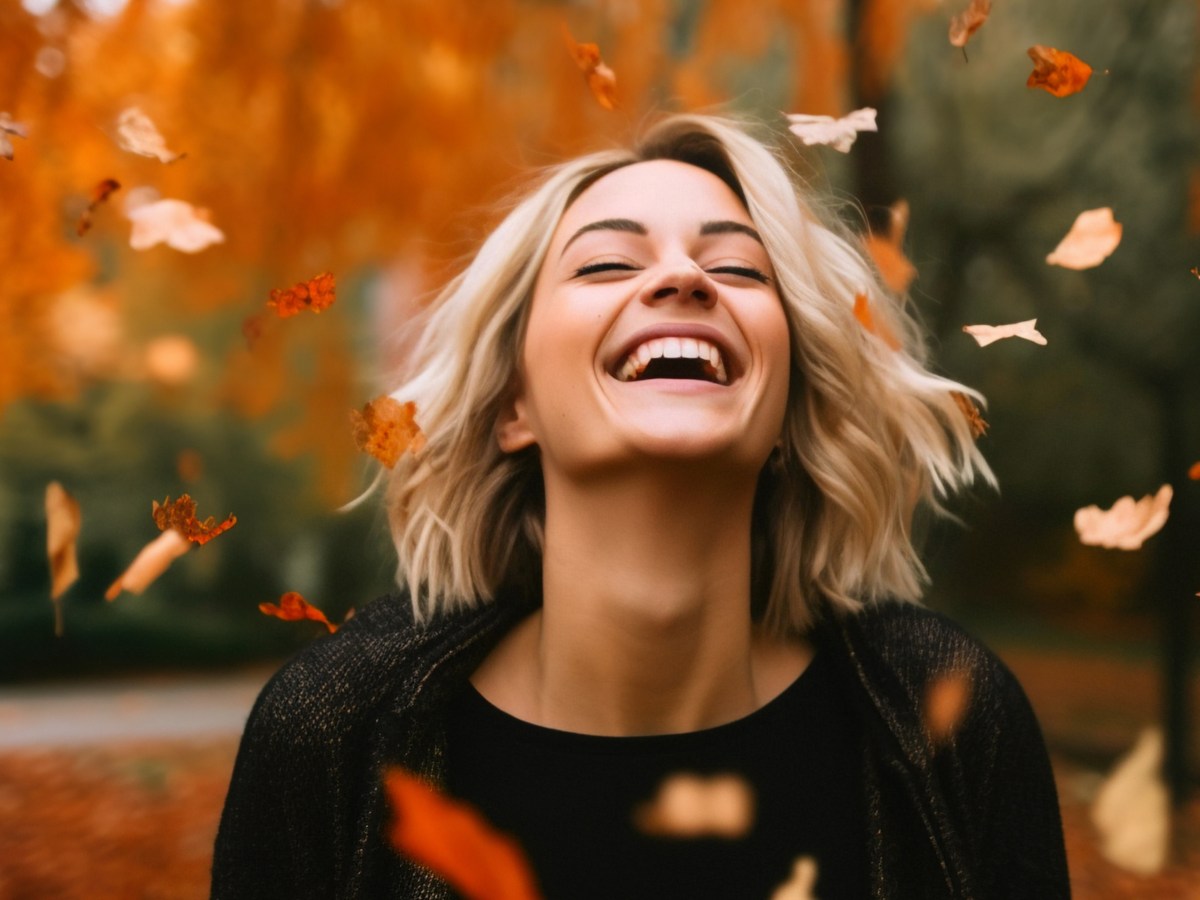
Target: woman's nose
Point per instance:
(683, 282)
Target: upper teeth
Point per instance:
(673, 348)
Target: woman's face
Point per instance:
(656, 331)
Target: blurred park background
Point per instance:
(372, 139)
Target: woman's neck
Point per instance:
(645, 625)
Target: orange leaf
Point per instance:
(386, 428)
(456, 842)
(1194, 471)
(1057, 71)
(946, 701)
(294, 608)
(100, 193)
(968, 408)
(695, 806)
(887, 250)
(63, 520)
(316, 294)
(967, 22)
(600, 78)
(181, 515)
(1093, 237)
(152, 561)
(862, 312)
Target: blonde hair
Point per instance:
(869, 434)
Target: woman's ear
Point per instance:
(512, 425)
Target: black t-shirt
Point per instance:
(578, 804)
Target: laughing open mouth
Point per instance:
(674, 357)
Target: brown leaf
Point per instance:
(181, 516)
(100, 193)
(63, 521)
(456, 842)
(1057, 71)
(967, 22)
(972, 414)
(386, 428)
(154, 559)
(294, 608)
(600, 78)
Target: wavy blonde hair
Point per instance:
(869, 434)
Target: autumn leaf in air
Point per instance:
(967, 22)
(837, 133)
(181, 516)
(175, 223)
(63, 521)
(316, 294)
(694, 806)
(9, 127)
(862, 312)
(386, 428)
(456, 842)
(989, 334)
(887, 250)
(1127, 524)
(1057, 71)
(946, 700)
(971, 413)
(153, 559)
(600, 78)
(801, 883)
(137, 133)
(1092, 239)
(294, 608)
(1194, 471)
(1132, 809)
(101, 192)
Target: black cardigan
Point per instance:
(972, 817)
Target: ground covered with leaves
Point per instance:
(138, 820)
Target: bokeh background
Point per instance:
(374, 139)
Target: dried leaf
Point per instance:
(455, 841)
(137, 133)
(600, 78)
(967, 22)
(1057, 71)
(100, 193)
(1092, 239)
(1132, 809)
(887, 250)
(970, 411)
(862, 312)
(386, 428)
(801, 883)
(989, 334)
(63, 521)
(692, 806)
(181, 516)
(316, 294)
(7, 127)
(1127, 524)
(154, 559)
(946, 700)
(172, 222)
(294, 608)
(837, 133)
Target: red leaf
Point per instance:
(316, 294)
(294, 608)
(181, 515)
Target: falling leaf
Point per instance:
(600, 78)
(1127, 524)
(967, 22)
(100, 193)
(1196, 271)
(1194, 471)
(1092, 239)
(294, 608)
(862, 312)
(691, 806)
(801, 883)
(1057, 71)
(138, 134)
(7, 127)
(946, 700)
(970, 411)
(455, 841)
(989, 334)
(152, 561)
(172, 222)
(171, 359)
(181, 516)
(316, 294)
(63, 521)
(887, 250)
(386, 428)
(837, 133)
(1132, 809)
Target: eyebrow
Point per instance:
(720, 226)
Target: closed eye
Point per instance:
(595, 268)
(743, 271)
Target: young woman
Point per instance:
(662, 527)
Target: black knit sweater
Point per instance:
(971, 816)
